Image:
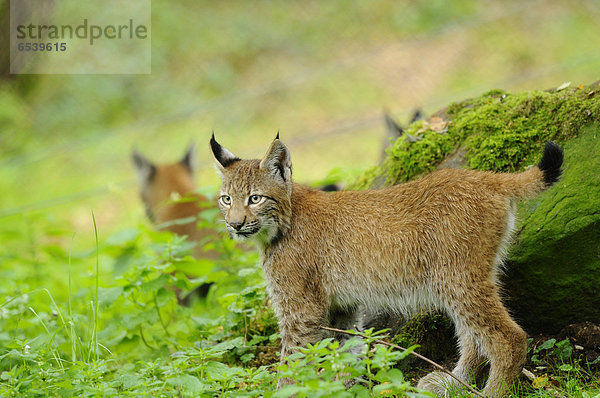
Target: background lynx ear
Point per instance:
(189, 159)
(277, 161)
(144, 168)
(223, 157)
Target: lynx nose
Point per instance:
(237, 225)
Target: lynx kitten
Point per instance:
(169, 194)
(437, 242)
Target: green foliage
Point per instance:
(107, 323)
(122, 332)
(562, 350)
(326, 369)
(559, 371)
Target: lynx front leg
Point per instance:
(300, 320)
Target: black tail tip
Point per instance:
(551, 163)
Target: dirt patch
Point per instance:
(266, 355)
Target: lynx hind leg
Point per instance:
(438, 383)
(471, 360)
(480, 313)
(442, 384)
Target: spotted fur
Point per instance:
(437, 242)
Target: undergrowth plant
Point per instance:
(102, 319)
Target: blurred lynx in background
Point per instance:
(172, 203)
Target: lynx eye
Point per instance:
(254, 199)
(226, 200)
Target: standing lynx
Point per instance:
(437, 242)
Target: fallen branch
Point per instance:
(429, 361)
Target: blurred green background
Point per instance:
(319, 72)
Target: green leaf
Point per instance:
(126, 381)
(247, 357)
(188, 383)
(123, 238)
(546, 345)
(165, 297)
(360, 391)
(227, 345)
(563, 350)
(221, 372)
(134, 319)
(155, 284)
(244, 272)
(291, 390)
(195, 267)
(64, 384)
(107, 296)
(395, 375)
(565, 368)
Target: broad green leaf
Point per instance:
(546, 345)
(188, 382)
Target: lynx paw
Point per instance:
(439, 383)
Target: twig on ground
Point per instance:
(532, 378)
(429, 361)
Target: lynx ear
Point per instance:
(189, 159)
(393, 129)
(144, 168)
(223, 157)
(277, 161)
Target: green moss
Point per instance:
(499, 131)
(554, 271)
(432, 332)
(407, 160)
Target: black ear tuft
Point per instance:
(417, 115)
(393, 129)
(551, 163)
(145, 169)
(188, 159)
(222, 155)
(277, 135)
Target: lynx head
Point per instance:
(161, 183)
(255, 195)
